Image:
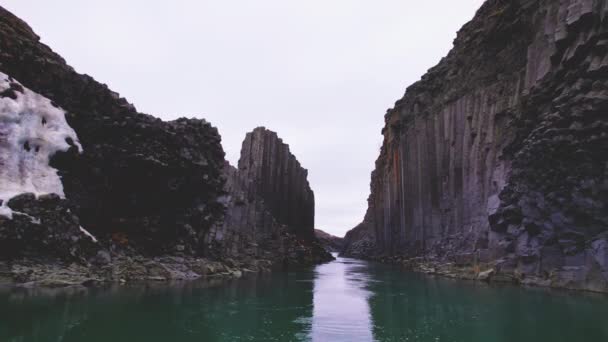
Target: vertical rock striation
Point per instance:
(142, 182)
(498, 155)
(279, 179)
(142, 187)
(146, 199)
(247, 223)
(269, 205)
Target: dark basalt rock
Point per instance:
(500, 152)
(269, 206)
(278, 178)
(330, 242)
(247, 223)
(43, 226)
(146, 188)
(154, 184)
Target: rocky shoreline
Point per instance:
(491, 272)
(43, 273)
(496, 160)
(106, 267)
(93, 191)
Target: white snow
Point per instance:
(86, 232)
(34, 220)
(31, 131)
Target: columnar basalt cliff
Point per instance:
(279, 180)
(269, 205)
(495, 161)
(246, 223)
(330, 242)
(91, 189)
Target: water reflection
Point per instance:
(347, 300)
(414, 307)
(341, 309)
(255, 309)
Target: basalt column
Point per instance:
(498, 155)
(279, 179)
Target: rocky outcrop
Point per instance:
(498, 156)
(151, 185)
(44, 226)
(278, 178)
(247, 221)
(269, 206)
(330, 242)
(89, 182)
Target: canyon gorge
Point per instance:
(487, 202)
(492, 167)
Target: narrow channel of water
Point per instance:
(346, 300)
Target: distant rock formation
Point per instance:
(246, 223)
(279, 179)
(497, 157)
(269, 205)
(330, 242)
(360, 242)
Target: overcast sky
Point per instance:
(321, 73)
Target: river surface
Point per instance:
(346, 300)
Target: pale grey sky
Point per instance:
(321, 73)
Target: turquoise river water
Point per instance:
(345, 300)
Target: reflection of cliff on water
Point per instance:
(414, 307)
(188, 311)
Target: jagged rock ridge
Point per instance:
(498, 156)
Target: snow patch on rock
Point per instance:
(32, 129)
(86, 232)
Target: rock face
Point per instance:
(269, 205)
(43, 226)
(147, 183)
(330, 242)
(499, 154)
(360, 242)
(278, 178)
(246, 223)
(86, 179)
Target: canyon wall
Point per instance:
(85, 177)
(330, 242)
(139, 180)
(269, 205)
(498, 155)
